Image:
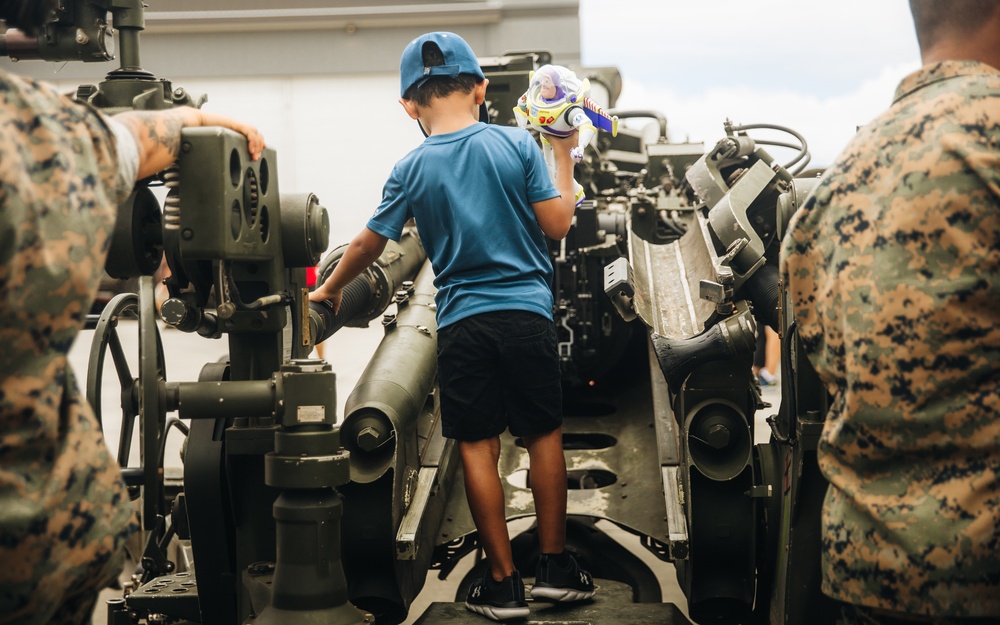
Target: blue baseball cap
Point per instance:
(458, 59)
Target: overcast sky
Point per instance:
(820, 67)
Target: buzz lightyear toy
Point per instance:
(557, 103)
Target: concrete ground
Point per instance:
(348, 351)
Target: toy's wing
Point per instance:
(599, 118)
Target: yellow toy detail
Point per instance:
(558, 103)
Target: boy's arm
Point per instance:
(555, 215)
(363, 250)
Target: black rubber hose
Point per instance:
(658, 116)
(357, 300)
(762, 291)
(803, 147)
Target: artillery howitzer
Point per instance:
(258, 503)
(659, 288)
(661, 285)
(701, 275)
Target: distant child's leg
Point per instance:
(548, 486)
(772, 351)
(484, 492)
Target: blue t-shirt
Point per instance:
(470, 193)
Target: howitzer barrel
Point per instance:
(92, 43)
(385, 417)
(19, 46)
(381, 412)
(369, 294)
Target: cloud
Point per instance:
(823, 48)
(821, 69)
(826, 123)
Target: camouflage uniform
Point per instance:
(893, 269)
(64, 511)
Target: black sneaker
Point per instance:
(561, 583)
(500, 601)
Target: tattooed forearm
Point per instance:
(158, 134)
(164, 129)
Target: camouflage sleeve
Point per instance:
(892, 269)
(106, 151)
(128, 158)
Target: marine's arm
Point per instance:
(158, 134)
(555, 215)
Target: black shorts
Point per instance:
(498, 371)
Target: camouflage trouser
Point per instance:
(862, 615)
(76, 598)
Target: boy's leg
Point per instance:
(558, 576)
(484, 492)
(548, 487)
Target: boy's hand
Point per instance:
(361, 252)
(561, 146)
(334, 297)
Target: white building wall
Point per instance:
(336, 136)
(320, 77)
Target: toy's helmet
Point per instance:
(552, 92)
(552, 84)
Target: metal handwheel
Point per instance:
(141, 396)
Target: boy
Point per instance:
(483, 203)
